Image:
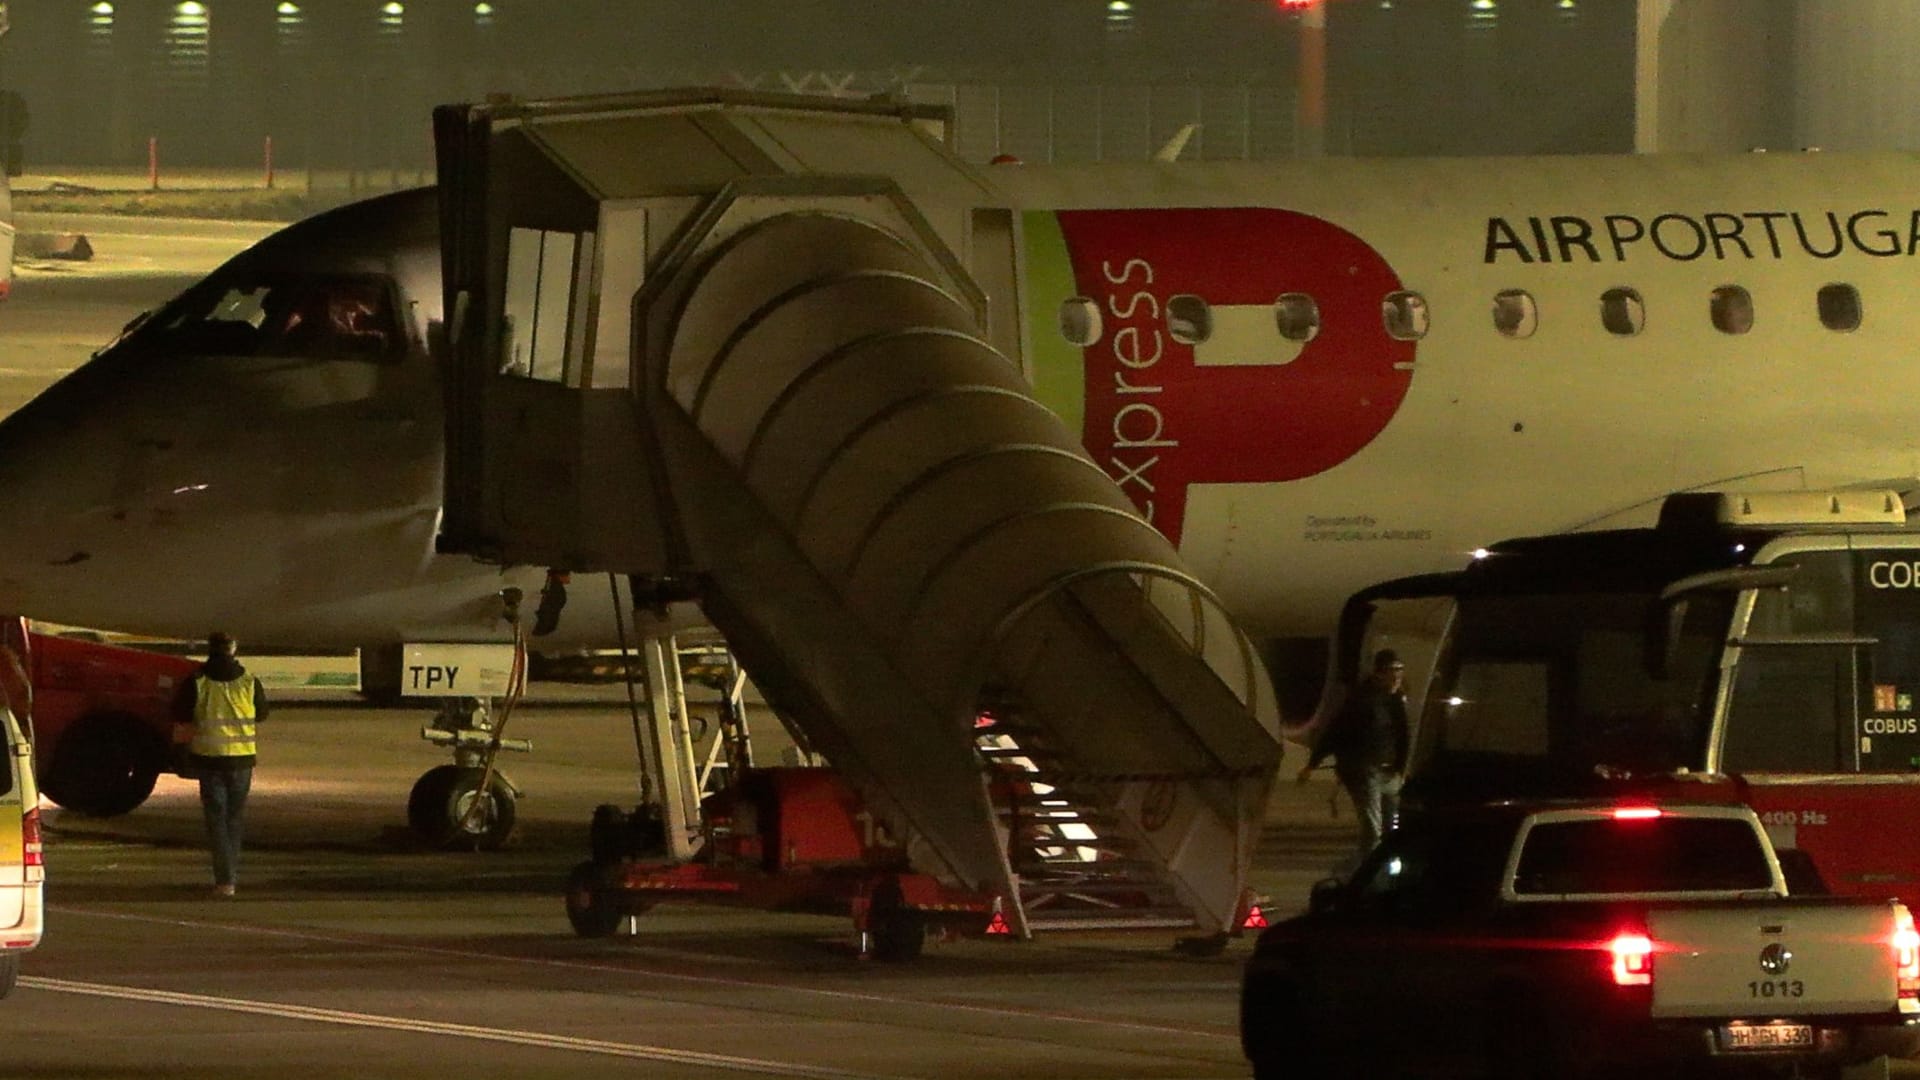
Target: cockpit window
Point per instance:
(304, 315)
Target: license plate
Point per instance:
(1765, 1036)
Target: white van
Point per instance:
(22, 871)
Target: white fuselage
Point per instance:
(180, 482)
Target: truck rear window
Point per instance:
(1663, 855)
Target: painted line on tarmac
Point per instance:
(33, 373)
(536, 1039)
(672, 976)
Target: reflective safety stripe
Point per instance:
(223, 717)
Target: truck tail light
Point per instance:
(35, 851)
(1632, 959)
(1906, 951)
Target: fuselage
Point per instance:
(1311, 376)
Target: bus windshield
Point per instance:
(1559, 685)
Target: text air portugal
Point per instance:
(1246, 407)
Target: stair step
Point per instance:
(1053, 802)
(1171, 919)
(1090, 885)
(1099, 868)
(1028, 848)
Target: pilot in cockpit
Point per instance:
(325, 318)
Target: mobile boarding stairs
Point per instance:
(742, 344)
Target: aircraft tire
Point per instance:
(590, 909)
(608, 836)
(103, 766)
(9, 972)
(426, 804)
(495, 823)
(1278, 1037)
(437, 806)
(1528, 1043)
(899, 932)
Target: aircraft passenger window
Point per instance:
(1189, 319)
(1622, 312)
(1515, 314)
(543, 268)
(1080, 321)
(302, 315)
(1732, 309)
(1840, 307)
(1298, 317)
(1405, 314)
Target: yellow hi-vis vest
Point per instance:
(223, 717)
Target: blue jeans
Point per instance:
(223, 801)
(1376, 796)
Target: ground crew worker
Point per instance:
(1367, 740)
(220, 706)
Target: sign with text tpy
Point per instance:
(456, 670)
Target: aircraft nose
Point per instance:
(58, 476)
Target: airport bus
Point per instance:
(1769, 643)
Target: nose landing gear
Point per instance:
(448, 807)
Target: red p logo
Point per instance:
(1224, 346)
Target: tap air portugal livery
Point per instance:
(1309, 376)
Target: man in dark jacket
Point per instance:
(222, 704)
(1367, 740)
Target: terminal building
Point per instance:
(348, 83)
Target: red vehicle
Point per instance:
(1767, 643)
(779, 839)
(102, 716)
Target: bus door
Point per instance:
(1411, 616)
(1820, 718)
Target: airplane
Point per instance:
(1310, 376)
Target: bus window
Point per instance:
(1792, 703)
(1887, 609)
(1562, 680)
(1791, 710)
(1819, 601)
(1496, 707)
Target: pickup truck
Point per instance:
(1568, 939)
